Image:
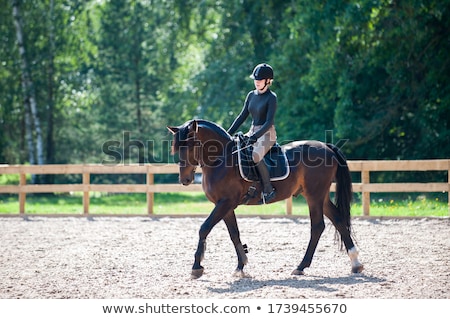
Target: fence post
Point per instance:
(150, 195)
(86, 183)
(22, 194)
(448, 188)
(365, 179)
(289, 206)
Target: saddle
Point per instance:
(275, 160)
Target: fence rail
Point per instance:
(150, 170)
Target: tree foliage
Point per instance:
(372, 74)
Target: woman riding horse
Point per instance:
(313, 167)
(261, 104)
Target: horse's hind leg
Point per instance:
(332, 213)
(317, 228)
(241, 250)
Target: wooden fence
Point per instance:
(150, 170)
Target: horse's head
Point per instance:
(187, 146)
(197, 142)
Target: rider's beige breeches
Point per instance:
(264, 143)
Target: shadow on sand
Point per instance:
(325, 284)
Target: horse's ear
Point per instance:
(195, 126)
(173, 129)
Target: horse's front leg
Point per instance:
(241, 250)
(218, 213)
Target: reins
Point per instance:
(197, 144)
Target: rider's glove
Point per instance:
(252, 140)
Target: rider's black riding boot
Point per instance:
(268, 190)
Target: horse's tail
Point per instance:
(344, 191)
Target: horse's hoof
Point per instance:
(357, 269)
(297, 272)
(197, 273)
(239, 273)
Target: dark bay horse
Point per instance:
(313, 167)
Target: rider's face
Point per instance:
(260, 85)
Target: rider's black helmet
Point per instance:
(262, 71)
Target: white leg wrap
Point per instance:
(353, 254)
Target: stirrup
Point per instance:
(267, 197)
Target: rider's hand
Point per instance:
(252, 140)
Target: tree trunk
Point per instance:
(50, 91)
(30, 104)
(28, 132)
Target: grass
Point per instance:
(196, 203)
(405, 208)
(167, 203)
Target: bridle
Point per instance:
(192, 141)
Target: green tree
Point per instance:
(57, 56)
(244, 35)
(395, 83)
(139, 71)
(373, 73)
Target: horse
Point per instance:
(314, 165)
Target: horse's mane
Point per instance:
(184, 131)
(215, 127)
